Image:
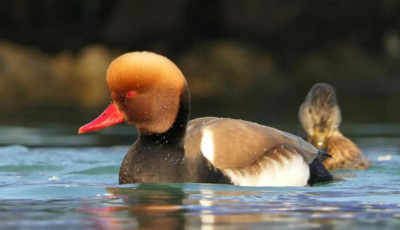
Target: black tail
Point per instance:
(318, 172)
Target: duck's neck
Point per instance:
(176, 134)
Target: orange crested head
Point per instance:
(145, 89)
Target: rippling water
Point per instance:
(76, 187)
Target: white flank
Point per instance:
(292, 172)
(207, 145)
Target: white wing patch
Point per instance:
(292, 172)
(207, 145)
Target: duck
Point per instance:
(150, 92)
(320, 117)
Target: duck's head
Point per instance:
(145, 90)
(319, 114)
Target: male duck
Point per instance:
(150, 92)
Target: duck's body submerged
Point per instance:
(320, 117)
(151, 93)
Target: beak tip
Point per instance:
(80, 131)
(83, 129)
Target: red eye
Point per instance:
(130, 94)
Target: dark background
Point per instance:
(252, 60)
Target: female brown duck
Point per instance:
(150, 92)
(320, 117)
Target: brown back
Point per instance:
(239, 143)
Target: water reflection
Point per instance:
(147, 206)
(209, 207)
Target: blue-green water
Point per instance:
(70, 185)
